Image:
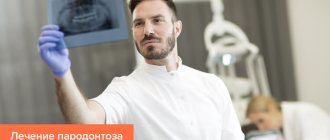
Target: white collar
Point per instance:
(161, 70)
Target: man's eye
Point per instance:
(157, 20)
(137, 24)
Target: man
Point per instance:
(164, 99)
(297, 120)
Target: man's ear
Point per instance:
(178, 28)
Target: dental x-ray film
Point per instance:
(87, 22)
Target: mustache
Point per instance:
(150, 37)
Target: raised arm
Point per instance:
(74, 106)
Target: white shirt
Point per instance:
(185, 104)
(304, 121)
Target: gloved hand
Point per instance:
(53, 51)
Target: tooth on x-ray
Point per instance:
(80, 16)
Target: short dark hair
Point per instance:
(169, 3)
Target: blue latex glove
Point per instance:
(53, 51)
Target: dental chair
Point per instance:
(235, 59)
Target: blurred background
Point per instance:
(292, 35)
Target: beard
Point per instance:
(151, 53)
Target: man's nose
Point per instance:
(148, 28)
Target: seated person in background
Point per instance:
(296, 120)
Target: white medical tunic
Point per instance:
(304, 121)
(185, 104)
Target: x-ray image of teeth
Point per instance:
(88, 22)
(80, 16)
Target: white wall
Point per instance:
(310, 34)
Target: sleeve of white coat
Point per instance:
(231, 129)
(114, 101)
